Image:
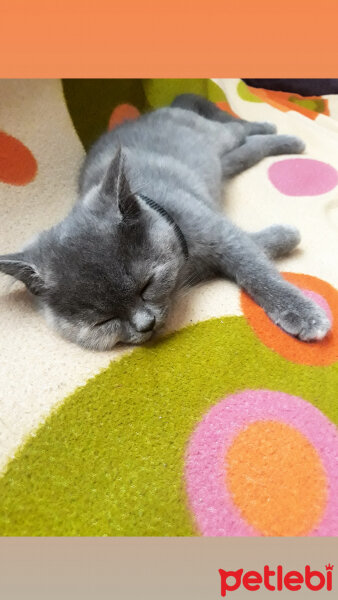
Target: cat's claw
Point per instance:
(308, 322)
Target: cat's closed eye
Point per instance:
(106, 320)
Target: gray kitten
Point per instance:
(148, 222)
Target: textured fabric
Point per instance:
(306, 87)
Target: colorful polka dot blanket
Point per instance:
(224, 425)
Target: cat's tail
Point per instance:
(203, 107)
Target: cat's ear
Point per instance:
(129, 208)
(17, 266)
(116, 188)
(115, 184)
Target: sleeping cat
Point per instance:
(148, 222)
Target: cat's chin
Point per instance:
(138, 338)
(92, 338)
(108, 342)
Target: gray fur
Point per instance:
(109, 271)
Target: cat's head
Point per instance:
(108, 272)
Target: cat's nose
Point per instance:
(147, 325)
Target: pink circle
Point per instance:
(302, 177)
(209, 498)
(320, 301)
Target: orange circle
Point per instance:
(123, 112)
(227, 108)
(17, 164)
(276, 479)
(319, 353)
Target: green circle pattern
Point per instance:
(110, 460)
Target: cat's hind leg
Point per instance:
(277, 240)
(209, 110)
(256, 148)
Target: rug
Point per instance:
(224, 425)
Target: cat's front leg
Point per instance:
(276, 240)
(242, 260)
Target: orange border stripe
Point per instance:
(154, 38)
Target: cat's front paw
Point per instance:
(304, 320)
